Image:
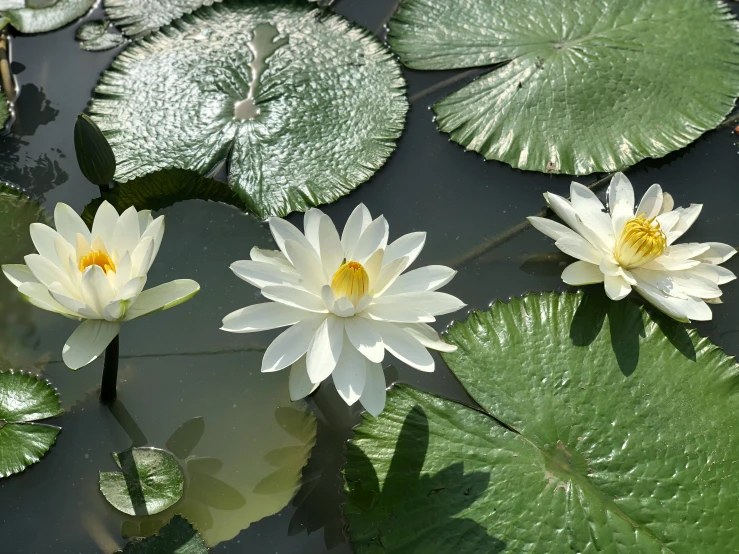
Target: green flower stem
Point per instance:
(110, 371)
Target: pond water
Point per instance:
(197, 391)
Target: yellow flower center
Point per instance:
(640, 242)
(98, 258)
(350, 281)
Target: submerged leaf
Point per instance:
(48, 16)
(94, 155)
(25, 399)
(177, 537)
(303, 104)
(150, 481)
(582, 86)
(618, 428)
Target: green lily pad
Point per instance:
(150, 481)
(603, 428)
(24, 399)
(579, 87)
(162, 189)
(4, 110)
(304, 105)
(96, 36)
(49, 16)
(140, 17)
(177, 537)
(94, 155)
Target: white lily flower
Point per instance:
(346, 302)
(627, 249)
(97, 275)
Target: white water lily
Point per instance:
(97, 275)
(627, 248)
(346, 302)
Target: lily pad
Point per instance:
(96, 36)
(140, 17)
(177, 537)
(150, 481)
(162, 189)
(94, 155)
(303, 104)
(579, 87)
(602, 428)
(4, 110)
(24, 399)
(49, 16)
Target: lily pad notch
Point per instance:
(582, 385)
(575, 87)
(24, 401)
(310, 109)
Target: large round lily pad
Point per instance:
(619, 434)
(140, 17)
(303, 104)
(24, 399)
(42, 16)
(583, 86)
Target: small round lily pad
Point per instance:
(49, 16)
(24, 400)
(303, 104)
(150, 481)
(177, 537)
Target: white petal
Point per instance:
(363, 303)
(66, 256)
(325, 349)
(142, 256)
(261, 317)
(270, 257)
(262, 274)
(358, 221)
(651, 203)
(327, 295)
(695, 285)
(365, 338)
(97, 290)
(403, 346)
(429, 278)
(591, 211)
(388, 274)
(163, 297)
(620, 191)
(44, 238)
(133, 288)
(717, 253)
(350, 374)
(104, 224)
(38, 295)
(667, 221)
(311, 228)
(616, 287)
(88, 341)
(300, 384)
(145, 220)
(45, 271)
(155, 230)
(343, 308)
(74, 305)
(686, 250)
(621, 212)
(567, 213)
(292, 296)
(682, 309)
(432, 303)
(291, 344)
(579, 248)
(550, 228)
(116, 309)
(668, 203)
(124, 271)
(582, 273)
(282, 231)
(68, 223)
(397, 312)
(428, 337)
(667, 263)
(126, 234)
(373, 265)
(373, 238)
(687, 218)
(18, 274)
(308, 265)
(408, 246)
(332, 253)
(715, 273)
(374, 393)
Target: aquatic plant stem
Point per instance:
(6, 76)
(108, 386)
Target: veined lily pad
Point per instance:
(177, 537)
(24, 399)
(140, 17)
(303, 104)
(582, 86)
(95, 36)
(619, 435)
(162, 189)
(48, 16)
(150, 481)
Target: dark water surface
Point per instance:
(240, 438)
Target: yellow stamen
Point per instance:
(98, 258)
(350, 281)
(640, 242)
